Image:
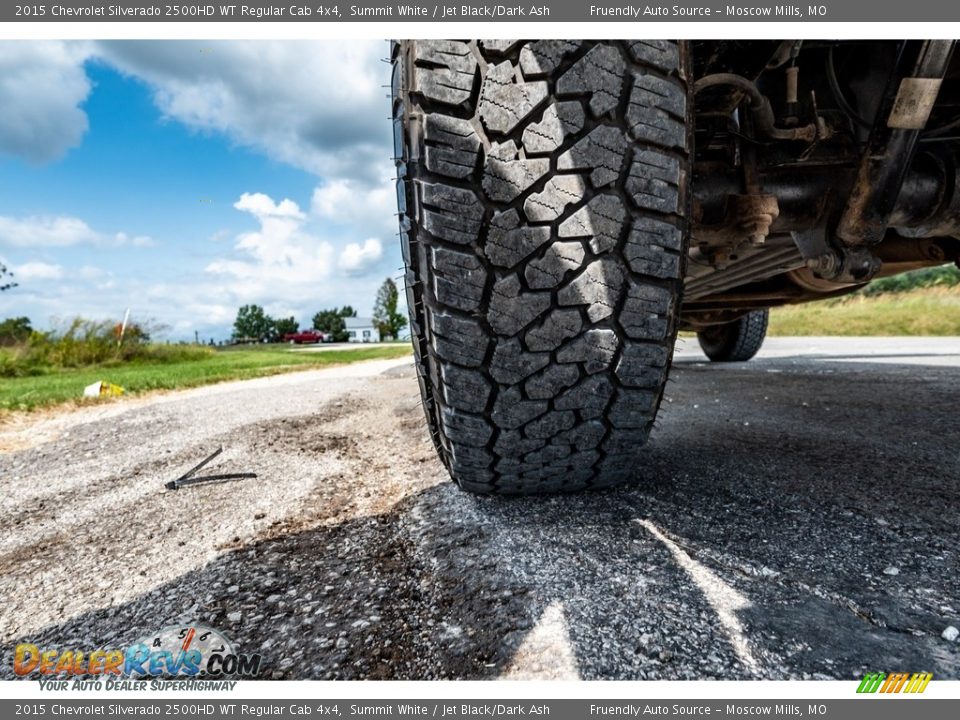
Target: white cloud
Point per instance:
(356, 259)
(60, 231)
(319, 106)
(45, 231)
(140, 241)
(262, 206)
(38, 271)
(198, 306)
(370, 210)
(42, 85)
(280, 254)
(286, 266)
(91, 272)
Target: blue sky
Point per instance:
(183, 179)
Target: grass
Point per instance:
(940, 276)
(933, 310)
(65, 385)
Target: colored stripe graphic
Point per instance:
(894, 683)
(898, 683)
(870, 682)
(923, 680)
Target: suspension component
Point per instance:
(889, 152)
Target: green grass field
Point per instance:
(66, 385)
(924, 311)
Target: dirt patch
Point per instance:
(310, 434)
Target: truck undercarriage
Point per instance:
(818, 166)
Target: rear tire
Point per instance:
(737, 341)
(543, 200)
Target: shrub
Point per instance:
(941, 276)
(85, 343)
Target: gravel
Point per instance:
(740, 551)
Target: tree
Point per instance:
(385, 316)
(4, 272)
(331, 322)
(14, 330)
(283, 326)
(253, 323)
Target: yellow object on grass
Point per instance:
(102, 389)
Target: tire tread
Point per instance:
(543, 200)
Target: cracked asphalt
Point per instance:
(791, 517)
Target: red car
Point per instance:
(305, 336)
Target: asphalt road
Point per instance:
(792, 517)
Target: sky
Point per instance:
(185, 179)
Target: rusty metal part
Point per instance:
(825, 266)
(928, 204)
(897, 255)
(928, 251)
(825, 274)
(850, 266)
(940, 215)
(786, 51)
(889, 151)
(902, 254)
(755, 264)
(747, 59)
(793, 74)
(914, 103)
(928, 190)
(812, 243)
(808, 280)
(760, 109)
(801, 193)
(801, 285)
(794, 202)
(748, 218)
(769, 293)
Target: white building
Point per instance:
(361, 330)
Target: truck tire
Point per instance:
(737, 341)
(543, 196)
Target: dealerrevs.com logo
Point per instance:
(174, 652)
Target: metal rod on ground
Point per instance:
(180, 482)
(188, 478)
(199, 466)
